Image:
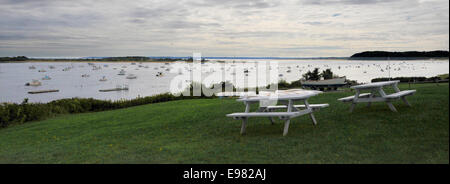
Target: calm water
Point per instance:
(13, 76)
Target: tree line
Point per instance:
(408, 54)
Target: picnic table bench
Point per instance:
(377, 87)
(287, 98)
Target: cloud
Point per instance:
(239, 4)
(216, 27)
(353, 2)
(313, 48)
(315, 23)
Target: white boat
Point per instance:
(33, 83)
(131, 76)
(103, 79)
(96, 67)
(321, 84)
(122, 72)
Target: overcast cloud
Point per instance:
(302, 28)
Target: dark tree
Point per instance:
(18, 58)
(385, 54)
(314, 75)
(327, 74)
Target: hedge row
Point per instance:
(25, 112)
(407, 79)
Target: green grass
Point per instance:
(443, 76)
(197, 131)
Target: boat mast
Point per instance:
(389, 68)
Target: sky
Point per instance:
(288, 28)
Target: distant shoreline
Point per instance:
(226, 60)
(409, 55)
(83, 61)
(365, 56)
(398, 58)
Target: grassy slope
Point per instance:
(197, 131)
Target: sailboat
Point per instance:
(122, 72)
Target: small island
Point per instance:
(409, 55)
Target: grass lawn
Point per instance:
(197, 131)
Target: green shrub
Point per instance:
(26, 112)
(406, 79)
(282, 84)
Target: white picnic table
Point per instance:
(285, 97)
(374, 88)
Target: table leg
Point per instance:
(383, 94)
(244, 120)
(286, 124)
(372, 94)
(265, 109)
(271, 118)
(286, 127)
(406, 101)
(395, 86)
(310, 114)
(354, 100)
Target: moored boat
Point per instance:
(103, 79)
(118, 88)
(33, 83)
(43, 91)
(131, 76)
(122, 72)
(46, 78)
(322, 84)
